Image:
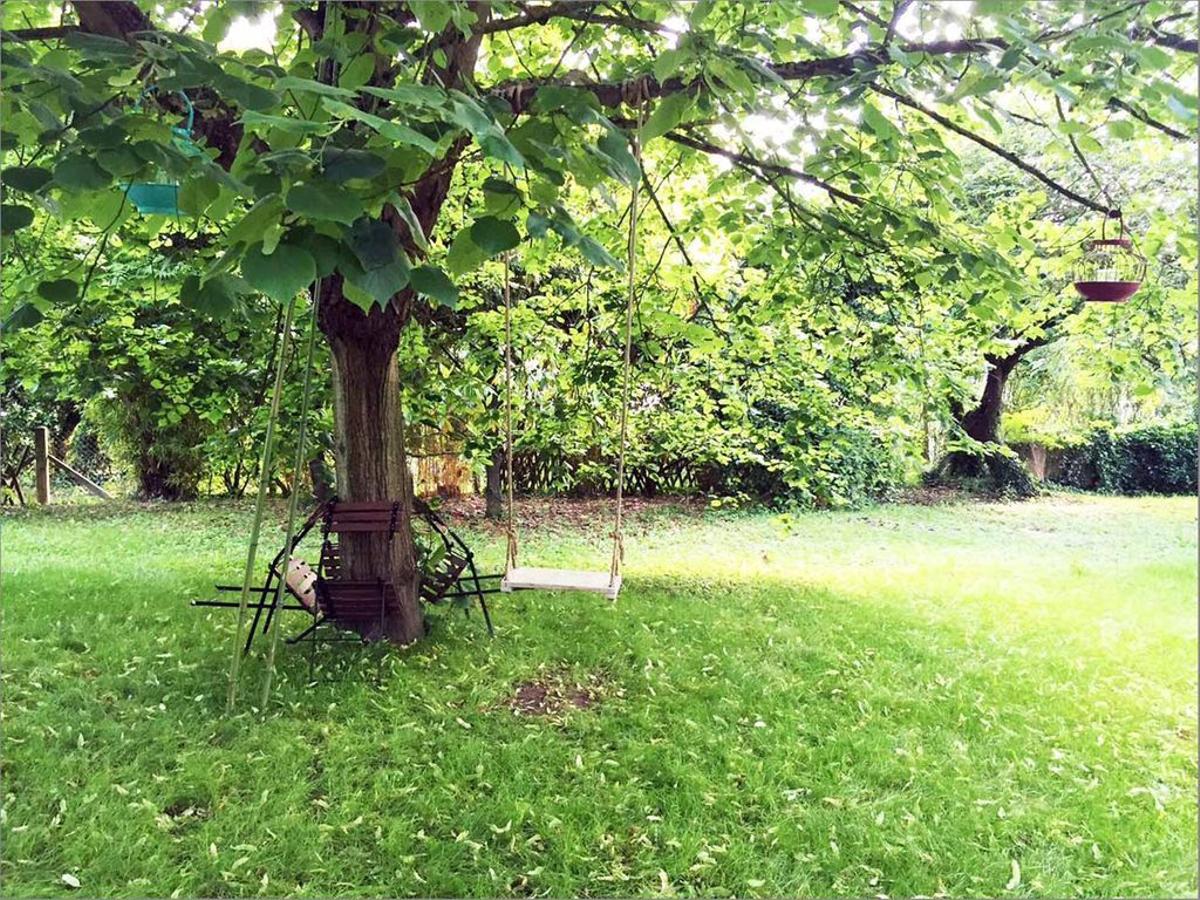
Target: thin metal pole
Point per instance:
(259, 504)
(293, 500)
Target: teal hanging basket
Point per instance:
(161, 198)
(152, 198)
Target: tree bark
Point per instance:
(369, 451)
(494, 492)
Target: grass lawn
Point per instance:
(970, 699)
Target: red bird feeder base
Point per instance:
(1110, 270)
(1107, 291)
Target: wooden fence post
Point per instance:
(41, 463)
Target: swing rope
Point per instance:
(264, 467)
(618, 548)
(293, 499)
(510, 553)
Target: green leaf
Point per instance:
(254, 224)
(308, 86)
(400, 202)
(537, 225)
(61, 290)
(433, 15)
(731, 76)
(497, 146)
(501, 198)
(81, 173)
(346, 164)
(14, 217)
(422, 95)
(1154, 58)
(391, 130)
(464, 254)
(98, 47)
(595, 253)
(373, 242)
(326, 251)
(614, 146)
(281, 275)
(25, 178)
(700, 12)
(877, 121)
(823, 8)
(323, 200)
(246, 95)
(381, 283)
(358, 72)
(492, 235)
(432, 282)
(261, 123)
(216, 298)
(667, 114)
(580, 106)
(356, 295)
(119, 162)
(670, 63)
(24, 316)
(197, 194)
(1122, 129)
(1089, 144)
(1011, 57)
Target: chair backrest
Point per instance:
(343, 517)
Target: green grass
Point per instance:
(897, 701)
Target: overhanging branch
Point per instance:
(520, 94)
(979, 139)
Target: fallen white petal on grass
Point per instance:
(1015, 881)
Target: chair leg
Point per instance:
(487, 619)
(306, 632)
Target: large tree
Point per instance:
(330, 158)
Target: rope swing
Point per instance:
(532, 578)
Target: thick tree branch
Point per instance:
(1028, 168)
(40, 34)
(1117, 103)
(111, 18)
(519, 94)
(1166, 39)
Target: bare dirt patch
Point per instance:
(555, 693)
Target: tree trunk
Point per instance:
(1002, 474)
(983, 422)
(321, 478)
(494, 492)
(369, 451)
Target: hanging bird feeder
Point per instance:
(162, 197)
(1111, 270)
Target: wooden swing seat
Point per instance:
(531, 578)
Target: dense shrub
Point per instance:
(1157, 459)
(787, 454)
